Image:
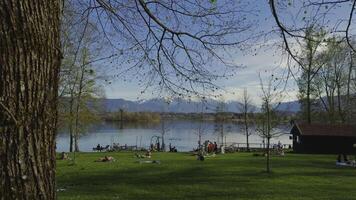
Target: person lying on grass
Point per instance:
(147, 155)
(106, 159)
(149, 161)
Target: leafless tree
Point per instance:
(201, 128)
(180, 46)
(220, 120)
(246, 108)
(267, 122)
(294, 17)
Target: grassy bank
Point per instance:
(229, 176)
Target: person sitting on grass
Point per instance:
(200, 156)
(139, 155)
(64, 156)
(210, 147)
(215, 147)
(148, 154)
(345, 159)
(98, 147)
(173, 149)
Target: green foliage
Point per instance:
(79, 86)
(312, 59)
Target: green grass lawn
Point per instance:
(229, 176)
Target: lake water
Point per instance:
(180, 133)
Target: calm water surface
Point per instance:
(181, 134)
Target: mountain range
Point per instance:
(183, 106)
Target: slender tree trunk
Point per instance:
(71, 116)
(71, 137)
(341, 113)
(348, 100)
(163, 133)
(308, 100)
(246, 102)
(268, 168)
(309, 81)
(79, 99)
(29, 70)
(349, 78)
(222, 134)
(247, 133)
(332, 105)
(76, 144)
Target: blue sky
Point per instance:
(263, 57)
(246, 77)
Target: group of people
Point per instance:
(205, 149)
(210, 147)
(155, 147)
(279, 148)
(101, 148)
(113, 147)
(116, 146)
(343, 158)
(159, 147)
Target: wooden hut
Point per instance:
(324, 138)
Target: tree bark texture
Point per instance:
(29, 69)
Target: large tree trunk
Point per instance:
(29, 69)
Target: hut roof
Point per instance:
(327, 130)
